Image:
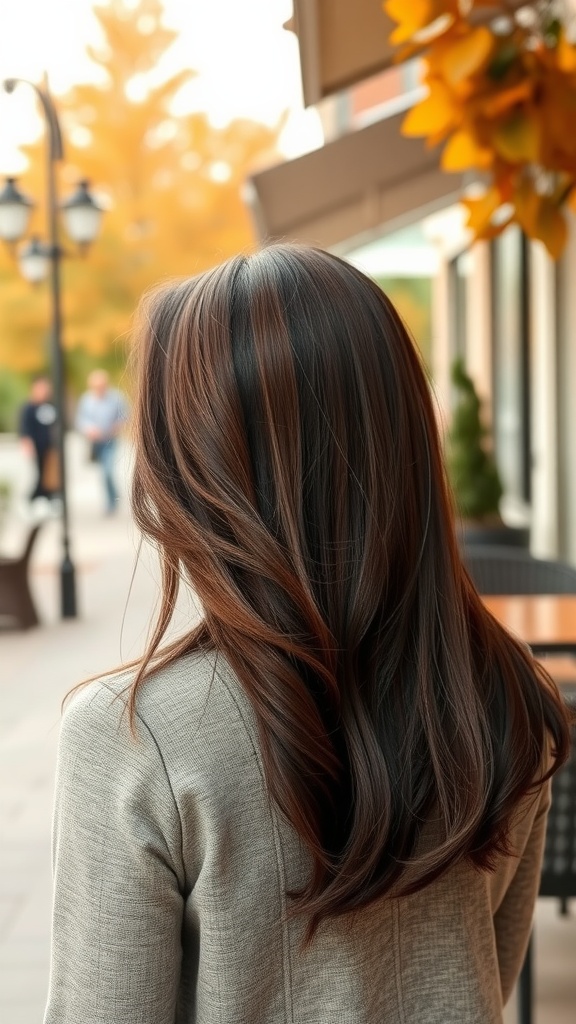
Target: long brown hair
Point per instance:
(288, 467)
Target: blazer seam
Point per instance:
(398, 960)
(166, 773)
(281, 871)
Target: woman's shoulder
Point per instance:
(195, 701)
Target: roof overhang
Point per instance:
(345, 41)
(341, 42)
(367, 182)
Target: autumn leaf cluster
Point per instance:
(501, 96)
(173, 185)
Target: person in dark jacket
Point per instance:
(36, 429)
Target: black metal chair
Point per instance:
(506, 570)
(16, 602)
(558, 879)
(503, 570)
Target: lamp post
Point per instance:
(82, 218)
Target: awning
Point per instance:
(352, 188)
(341, 42)
(345, 41)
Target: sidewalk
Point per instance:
(37, 668)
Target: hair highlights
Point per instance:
(288, 466)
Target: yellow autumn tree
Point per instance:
(173, 184)
(501, 96)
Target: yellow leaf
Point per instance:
(462, 152)
(495, 229)
(566, 54)
(518, 138)
(420, 20)
(526, 202)
(550, 227)
(482, 209)
(504, 99)
(410, 17)
(169, 212)
(435, 114)
(435, 139)
(465, 56)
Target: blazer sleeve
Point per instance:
(118, 875)
(513, 919)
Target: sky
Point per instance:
(247, 63)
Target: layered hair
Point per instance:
(288, 467)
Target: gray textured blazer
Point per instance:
(171, 873)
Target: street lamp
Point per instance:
(82, 215)
(15, 209)
(34, 260)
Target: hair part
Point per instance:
(288, 467)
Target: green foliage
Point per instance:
(412, 297)
(13, 391)
(472, 470)
(80, 362)
(173, 184)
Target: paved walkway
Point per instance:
(36, 670)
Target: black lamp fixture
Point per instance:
(15, 210)
(81, 214)
(34, 260)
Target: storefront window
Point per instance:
(510, 364)
(404, 264)
(459, 270)
(412, 297)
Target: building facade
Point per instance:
(504, 305)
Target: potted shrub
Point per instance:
(473, 472)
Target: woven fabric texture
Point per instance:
(172, 868)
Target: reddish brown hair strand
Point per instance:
(289, 469)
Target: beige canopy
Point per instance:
(341, 42)
(345, 41)
(351, 188)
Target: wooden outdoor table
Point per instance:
(547, 622)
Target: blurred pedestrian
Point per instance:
(101, 415)
(36, 430)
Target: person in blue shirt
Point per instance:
(101, 414)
